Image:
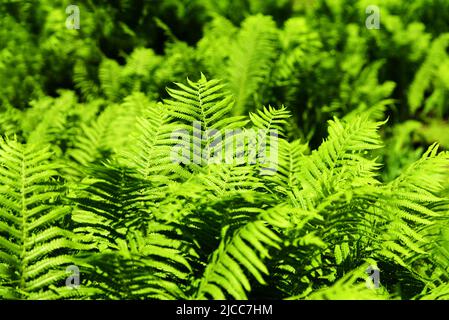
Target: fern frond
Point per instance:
(251, 60)
(289, 159)
(109, 74)
(242, 254)
(205, 101)
(34, 245)
(431, 75)
(150, 154)
(271, 119)
(146, 266)
(108, 205)
(340, 159)
(82, 76)
(414, 207)
(203, 107)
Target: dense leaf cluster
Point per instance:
(357, 177)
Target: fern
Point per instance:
(431, 74)
(251, 59)
(414, 207)
(211, 149)
(153, 264)
(35, 247)
(205, 105)
(244, 252)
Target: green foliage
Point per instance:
(214, 149)
(35, 247)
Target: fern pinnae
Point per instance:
(31, 213)
(244, 251)
(251, 59)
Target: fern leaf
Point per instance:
(251, 59)
(34, 246)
